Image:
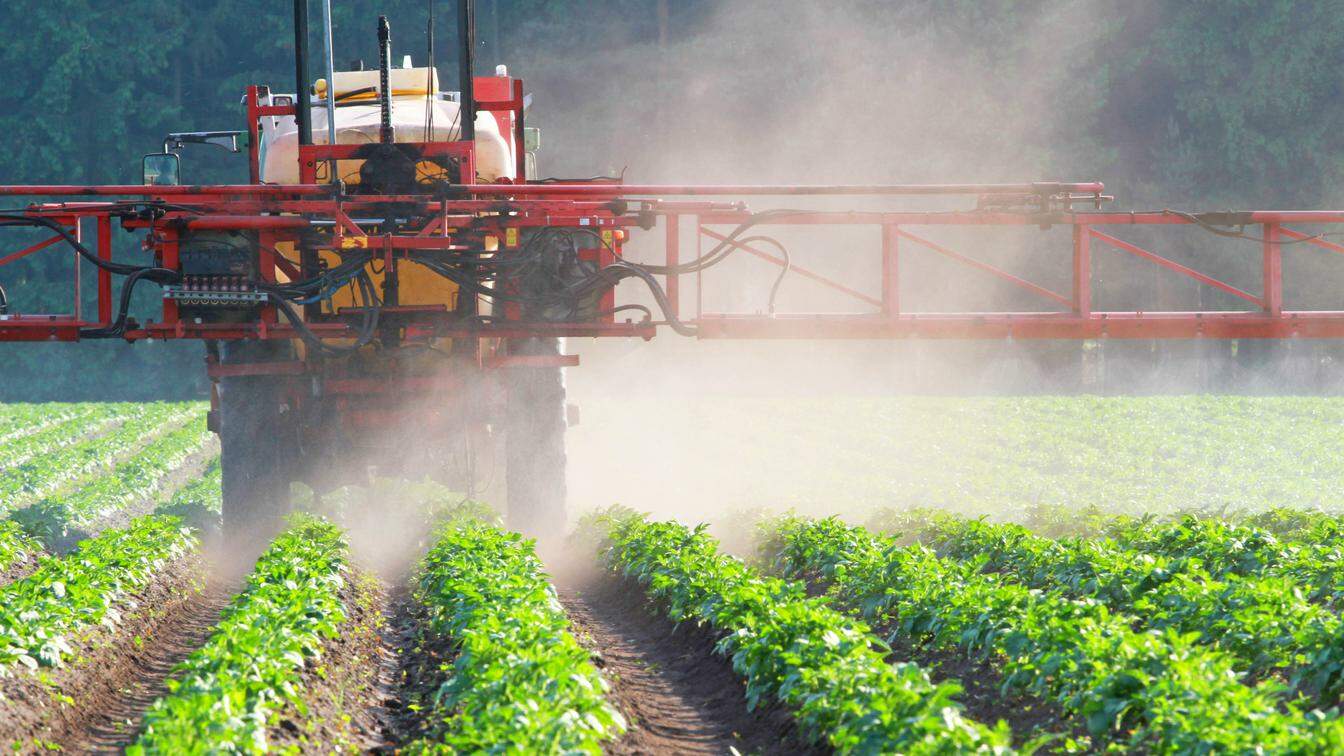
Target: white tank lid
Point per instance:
(501, 70)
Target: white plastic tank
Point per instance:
(359, 120)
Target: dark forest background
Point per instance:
(1196, 104)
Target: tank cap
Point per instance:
(501, 70)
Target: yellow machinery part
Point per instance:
(417, 286)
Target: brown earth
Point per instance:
(677, 695)
(174, 637)
(411, 672)
(20, 568)
(343, 688)
(407, 673)
(79, 706)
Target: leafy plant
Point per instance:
(1155, 689)
(137, 477)
(520, 682)
(796, 650)
(93, 585)
(45, 473)
(225, 692)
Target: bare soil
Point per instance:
(173, 638)
(20, 568)
(343, 690)
(406, 674)
(85, 705)
(677, 695)
(412, 670)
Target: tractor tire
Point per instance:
(534, 443)
(256, 449)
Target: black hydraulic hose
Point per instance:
(119, 269)
(723, 250)
(656, 289)
(783, 270)
(118, 327)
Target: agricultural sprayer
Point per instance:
(395, 299)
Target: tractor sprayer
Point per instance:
(391, 290)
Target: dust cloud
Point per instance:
(801, 92)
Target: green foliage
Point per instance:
(199, 502)
(795, 650)
(40, 436)
(15, 544)
(93, 585)
(1155, 689)
(225, 692)
(46, 472)
(1266, 622)
(1039, 460)
(138, 477)
(520, 682)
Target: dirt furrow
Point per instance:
(342, 690)
(82, 706)
(116, 721)
(678, 696)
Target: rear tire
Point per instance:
(256, 452)
(534, 439)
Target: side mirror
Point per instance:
(161, 169)
(531, 139)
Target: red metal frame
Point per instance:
(281, 213)
(1070, 315)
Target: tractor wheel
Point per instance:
(255, 449)
(534, 441)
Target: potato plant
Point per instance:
(226, 691)
(93, 585)
(519, 681)
(797, 651)
(1155, 689)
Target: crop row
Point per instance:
(1155, 689)
(43, 474)
(71, 427)
(795, 650)
(1217, 547)
(1265, 621)
(223, 695)
(199, 502)
(19, 421)
(520, 682)
(94, 584)
(137, 477)
(15, 545)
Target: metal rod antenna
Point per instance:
(466, 34)
(331, 78)
(303, 113)
(385, 80)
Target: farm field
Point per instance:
(975, 455)
(1177, 626)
